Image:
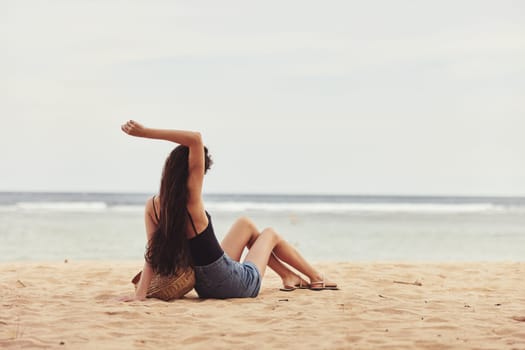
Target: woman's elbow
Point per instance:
(197, 139)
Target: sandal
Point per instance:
(301, 285)
(322, 285)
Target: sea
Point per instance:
(51, 227)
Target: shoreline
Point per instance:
(394, 305)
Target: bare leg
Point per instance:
(244, 234)
(269, 240)
(262, 248)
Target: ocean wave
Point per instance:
(319, 207)
(79, 207)
(62, 206)
(295, 207)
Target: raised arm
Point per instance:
(196, 162)
(183, 137)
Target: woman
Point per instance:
(180, 232)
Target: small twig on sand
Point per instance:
(519, 318)
(20, 284)
(416, 283)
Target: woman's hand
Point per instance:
(134, 129)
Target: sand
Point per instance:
(436, 306)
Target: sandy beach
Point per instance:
(379, 306)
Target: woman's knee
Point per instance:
(246, 222)
(245, 229)
(272, 234)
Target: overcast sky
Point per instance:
(342, 97)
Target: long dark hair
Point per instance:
(168, 248)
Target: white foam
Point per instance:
(63, 206)
(325, 207)
(296, 207)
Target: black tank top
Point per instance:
(204, 247)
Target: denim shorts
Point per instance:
(226, 278)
